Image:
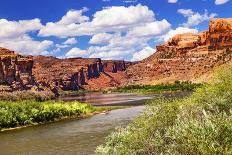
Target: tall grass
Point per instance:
(199, 124)
(21, 113)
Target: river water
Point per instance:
(73, 137)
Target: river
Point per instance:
(73, 137)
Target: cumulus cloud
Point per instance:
(195, 18)
(151, 29)
(14, 35)
(70, 41)
(14, 29)
(76, 52)
(114, 35)
(179, 30)
(27, 46)
(172, 1)
(101, 38)
(111, 19)
(74, 16)
(220, 2)
(118, 47)
(146, 52)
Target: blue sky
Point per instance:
(109, 29)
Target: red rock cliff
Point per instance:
(15, 71)
(78, 73)
(186, 56)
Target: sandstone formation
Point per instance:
(186, 57)
(78, 73)
(15, 71)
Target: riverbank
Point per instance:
(199, 124)
(19, 114)
(160, 88)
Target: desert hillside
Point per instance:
(186, 57)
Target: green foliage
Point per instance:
(27, 95)
(177, 86)
(199, 124)
(21, 113)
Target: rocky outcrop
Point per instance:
(78, 73)
(49, 73)
(15, 71)
(186, 57)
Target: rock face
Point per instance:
(15, 71)
(186, 57)
(78, 73)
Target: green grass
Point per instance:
(177, 86)
(199, 124)
(23, 113)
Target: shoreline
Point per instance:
(74, 117)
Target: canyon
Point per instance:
(185, 57)
(19, 72)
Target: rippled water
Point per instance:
(101, 99)
(66, 137)
(74, 137)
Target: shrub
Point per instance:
(177, 85)
(20, 113)
(199, 124)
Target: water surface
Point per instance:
(73, 137)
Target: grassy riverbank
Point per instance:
(199, 124)
(177, 86)
(24, 113)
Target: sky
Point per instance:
(107, 29)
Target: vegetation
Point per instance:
(199, 124)
(27, 95)
(22, 113)
(177, 86)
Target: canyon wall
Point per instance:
(78, 73)
(15, 71)
(186, 57)
(19, 72)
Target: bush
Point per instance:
(199, 124)
(21, 113)
(176, 86)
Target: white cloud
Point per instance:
(195, 18)
(62, 46)
(179, 30)
(14, 36)
(122, 16)
(146, 52)
(111, 19)
(220, 2)
(101, 38)
(118, 47)
(70, 41)
(151, 29)
(172, 1)
(76, 52)
(14, 29)
(186, 12)
(26, 45)
(74, 16)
